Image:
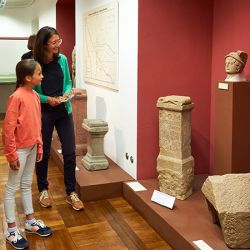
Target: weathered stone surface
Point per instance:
(175, 164)
(228, 197)
(177, 179)
(95, 158)
(79, 107)
(234, 64)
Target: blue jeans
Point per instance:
(59, 118)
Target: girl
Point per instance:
(23, 147)
(55, 113)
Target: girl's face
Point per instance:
(53, 44)
(37, 77)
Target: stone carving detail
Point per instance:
(234, 66)
(229, 204)
(175, 165)
(95, 158)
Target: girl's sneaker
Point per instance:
(39, 228)
(16, 240)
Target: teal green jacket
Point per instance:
(67, 83)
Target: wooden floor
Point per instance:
(104, 224)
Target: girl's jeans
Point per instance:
(20, 179)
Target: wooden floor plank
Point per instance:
(149, 237)
(96, 236)
(127, 235)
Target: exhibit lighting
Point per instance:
(2, 3)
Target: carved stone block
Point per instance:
(177, 179)
(175, 165)
(229, 204)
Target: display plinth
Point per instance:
(232, 128)
(95, 158)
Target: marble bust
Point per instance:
(234, 65)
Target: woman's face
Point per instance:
(53, 44)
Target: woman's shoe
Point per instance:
(44, 199)
(74, 201)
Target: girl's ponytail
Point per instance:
(18, 84)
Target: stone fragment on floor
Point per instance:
(228, 198)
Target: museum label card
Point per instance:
(136, 186)
(202, 245)
(222, 85)
(163, 199)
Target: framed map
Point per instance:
(101, 46)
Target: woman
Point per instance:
(55, 113)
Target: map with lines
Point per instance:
(101, 46)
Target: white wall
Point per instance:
(119, 109)
(15, 23)
(48, 17)
(19, 22)
(22, 22)
(11, 52)
(46, 12)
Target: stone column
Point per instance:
(175, 164)
(95, 158)
(79, 106)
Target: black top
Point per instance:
(52, 83)
(28, 55)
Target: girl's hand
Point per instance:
(52, 101)
(39, 157)
(14, 165)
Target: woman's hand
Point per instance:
(39, 157)
(52, 101)
(66, 95)
(14, 165)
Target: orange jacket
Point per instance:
(22, 123)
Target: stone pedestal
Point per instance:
(175, 165)
(79, 106)
(231, 128)
(95, 158)
(229, 204)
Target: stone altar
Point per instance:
(95, 158)
(175, 164)
(79, 108)
(229, 204)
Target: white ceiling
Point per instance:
(13, 4)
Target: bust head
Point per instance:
(235, 62)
